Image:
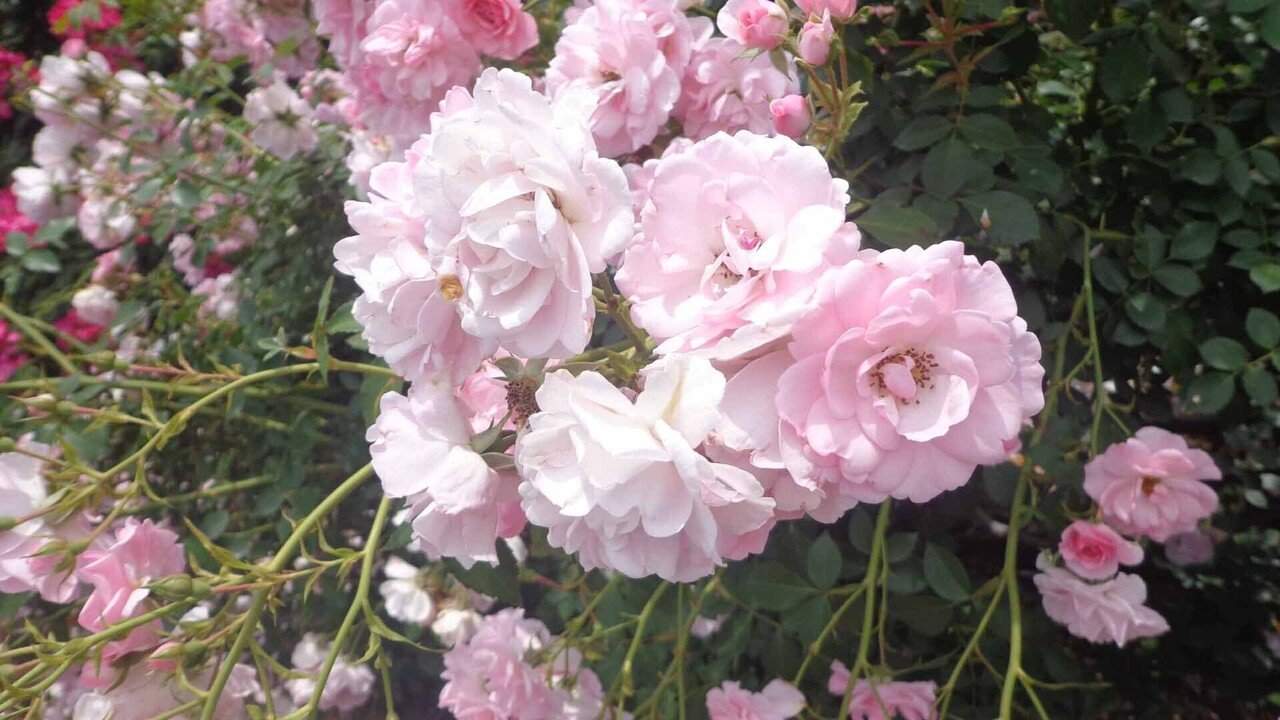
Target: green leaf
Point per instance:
(774, 587)
(945, 574)
(1178, 279)
(824, 562)
(989, 131)
(922, 132)
(1269, 26)
(1246, 6)
(1146, 310)
(1263, 328)
(1260, 386)
(1147, 124)
(1210, 392)
(11, 604)
(861, 530)
(41, 260)
(1073, 17)
(1013, 219)
(1124, 70)
(215, 523)
(1194, 241)
(1201, 166)
(1266, 276)
(898, 226)
(947, 167)
(898, 546)
(1224, 353)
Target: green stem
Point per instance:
(869, 611)
(278, 563)
(624, 676)
(1010, 580)
(370, 553)
(969, 648)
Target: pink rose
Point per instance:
(407, 317)
(735, 233)
(790, 115)
(421, 451)
(779, 700)
(842, 10)
(759, 24)
(1109, 611)
(627, 56)
(1189, 548)
(724, 90)
(884, 700)
(815, 40)
(138, 554)
(495, 674)
(910, 369)
(620, 480)
(499, 28)
(1153, 484)
(1095, 552)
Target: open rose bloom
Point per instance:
(1153, 484)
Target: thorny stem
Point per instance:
(370, 553)
(278, 562)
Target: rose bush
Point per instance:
(639, 358)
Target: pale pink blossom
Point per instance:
(733, 237)
(1113, 611)
(842, 10)
(135, 555)
(348, 687)
(815, 40)
(519, 211)
(343, 23)
(757, 24)
(1094, 551)
(404, 593)
(884, 700)
(725, 90)
(778, 700)
(791, 115)
(498, 28)
(911, 368)
(143, 694)
(620, 482)
(1153, 484)
(484, 396)
(628, 55)
(407, 318)
(421, 451)
(496, 674)
(95, 304)
(1189, 548)
(410, 56)
(281, 120)
(704, 627)
(23, 492)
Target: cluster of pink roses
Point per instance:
(797, 375)
(1151, 485)
(400, 57)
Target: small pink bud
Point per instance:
(790, 115)
(815, 40)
